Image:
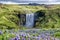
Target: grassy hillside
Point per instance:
(9, 15)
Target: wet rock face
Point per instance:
(38, 15)
(22, 18)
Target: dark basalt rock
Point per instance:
(22, 18)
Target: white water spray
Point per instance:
(30, 20)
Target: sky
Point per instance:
(30, 1)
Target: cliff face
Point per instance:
(11, 16)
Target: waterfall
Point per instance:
(30, 20)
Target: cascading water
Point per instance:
(30, 20)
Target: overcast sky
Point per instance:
(29, 1)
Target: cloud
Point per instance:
(8, 2)
(30, 1)
(53, 3)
